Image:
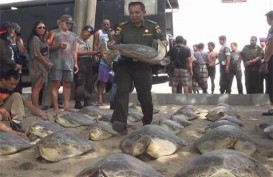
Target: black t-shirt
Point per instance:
(173, 52)
(181, 59)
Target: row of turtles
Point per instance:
(149, 142)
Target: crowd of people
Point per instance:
(190, 69)
(59, 57)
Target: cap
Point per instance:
(222, 37)
(269, 14)
(262, 39)
(67, 18)
(89, 28)
(4, 27)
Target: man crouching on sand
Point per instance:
(12, 104)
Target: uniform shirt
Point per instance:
(128, 33)
(63, 59)
(82, 46)
(223, 53)
(250, 52)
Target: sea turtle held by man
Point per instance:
(10, 143)
(226, 137)
(224, 163)
(151, 142)
(120, 165)
(141, 52)
(62, 145)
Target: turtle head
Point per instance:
(135, 145)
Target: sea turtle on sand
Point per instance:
(73, 120)
(220, 123)
(120, 165)
(189, 108)
(138, 107)
(181, 120)
(265, 129)
(40, 129)
(169, 125)
(141, 52)
(189, 111)
(224, 163)
(10, 144)
(62, 145)
(134, 115)
(226, 105)
(94, 112)
(226, 137)
(269, 131)
(98, 131)
(151, 141)
(232, 119)
(221, 111)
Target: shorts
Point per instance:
(211, 72)
(61, 75)
(180, 76)
(104, 73)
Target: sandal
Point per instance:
(268, 113)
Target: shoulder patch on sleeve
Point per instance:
(150, 21)
(123, 23)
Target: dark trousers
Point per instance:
(83, 80)
(141, 75)
(238, 75)
(253, 80)
(269, 79)
(224, 80)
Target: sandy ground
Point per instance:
(24, 163)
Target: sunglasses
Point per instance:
(41, 27)
(67, 23)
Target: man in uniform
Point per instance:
(224, 60)
(136, 31)
(252, 55)
(268, 60)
